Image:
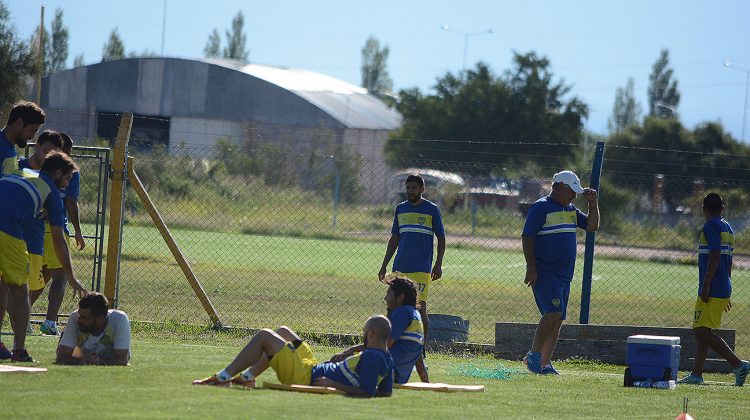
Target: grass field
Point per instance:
(164, 362)
(329, 285)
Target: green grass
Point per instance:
(157, 385)
(330, 285)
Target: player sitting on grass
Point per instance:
(714, 289)
(407, 339)
(369, 373)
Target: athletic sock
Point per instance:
(247, 376)
(50, 323)
(223, 375)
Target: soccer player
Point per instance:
(715, 250)
(53, 268)
(368, 374)
(407, 339)
(415, 222)
(549, 246)
(30, 192)
(102, 335)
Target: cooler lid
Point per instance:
(653, 339)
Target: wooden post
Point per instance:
(115, 208)
(200, 292)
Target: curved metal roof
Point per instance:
(351, 105)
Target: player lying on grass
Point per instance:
(369, 373)
(407, 339)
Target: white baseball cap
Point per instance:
(569, 178)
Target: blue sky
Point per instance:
(593, 45)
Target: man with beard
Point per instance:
(24, 121)
(95, 334)
(415, 222)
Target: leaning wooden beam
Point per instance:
(137, 185)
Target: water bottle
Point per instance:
(665, 384)
(646, 383)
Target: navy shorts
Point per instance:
(551, 293)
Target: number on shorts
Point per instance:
(697, 315)
(421, 287)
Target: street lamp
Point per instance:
(466, 36)
(728, 64)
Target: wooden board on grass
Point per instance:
(303, 388)
(438, 387)
(20, 369)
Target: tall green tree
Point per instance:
(662, 88)
(114, 49)
(16, 60)
(480, 117)
(59, 44)
(236, 40)
(375, 77)
(213, 45)
(626, 110)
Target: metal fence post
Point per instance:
(588, 258)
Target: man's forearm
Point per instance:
(71, 206)
(593, 217)
(713, 263)
(440, 250)
(390, 250)
(527, 242)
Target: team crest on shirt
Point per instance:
(555, 302)
(421, 220)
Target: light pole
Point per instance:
(728, 64)
(466, 36)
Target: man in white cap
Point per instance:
(549, 245)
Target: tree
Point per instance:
(375, 76)
(662, 88)
(236, 40)
(114, 49)
(58, 43)
(213, 45)
(626, 110)
(16, 60)
(481, 118)
(79, 61)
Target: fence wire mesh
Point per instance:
(292, 229)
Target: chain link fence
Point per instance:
(294, 235)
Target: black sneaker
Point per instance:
(21, 356)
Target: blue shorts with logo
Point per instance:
(551, 293)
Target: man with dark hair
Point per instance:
(415, 222)
(95, 334)
(715, 249)
(407, 338)
(549, 246)
(367, 374)
(53, 267)
(23, 123)
(30, 192)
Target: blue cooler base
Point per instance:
(652, 357)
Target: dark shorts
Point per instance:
(551, 293)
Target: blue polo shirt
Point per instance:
(33, 228)
(7, 155)
(371, 370)
(29, 191)
(717, 235)
(72, 190)
(408, 331)
(554, 230)
(416, 226)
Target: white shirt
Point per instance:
(116, 336)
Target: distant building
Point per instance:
(196, 102)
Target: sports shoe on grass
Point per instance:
(740, 374)
(4, 352)
(533, 362)
(213, 381)
(691, 380)
(48, 328)
(237, 380)
(21, 356)
(549, 370)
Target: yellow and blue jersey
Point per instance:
(72, 190)
(29, 191)
(717, 235)
(8, 155)
(554, 230)
(416, 227)
(33, 228)
(371, 370)
(408, 331)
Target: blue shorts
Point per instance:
(551, 293)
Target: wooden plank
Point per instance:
(439, 387)
(310, 389)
